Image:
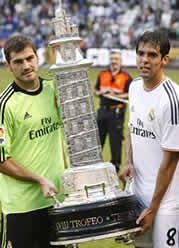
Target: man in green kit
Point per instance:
(31, 149)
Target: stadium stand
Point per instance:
(103, 23)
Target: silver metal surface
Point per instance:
(89, 179)
(57, 202)
(87, 184)
(76, 100)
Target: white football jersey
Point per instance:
(154, 127)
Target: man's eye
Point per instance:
(140, 53)
(30, 58)
(153, 55)
(18, 62)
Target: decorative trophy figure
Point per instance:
(95, 207)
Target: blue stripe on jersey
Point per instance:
(174, 102)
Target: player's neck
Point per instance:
(29, 86)
(150, 83)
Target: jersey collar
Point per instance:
(32, 93)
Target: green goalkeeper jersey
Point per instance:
(30, 133)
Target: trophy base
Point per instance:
(91, 183)
(104, 236)
(93, 221)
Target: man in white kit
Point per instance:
(153, 143)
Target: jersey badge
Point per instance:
(151, 115)
(27, 116)
(9, 244)
(2, 135)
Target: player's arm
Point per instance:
(13, 169)
(128, 167)
(164, 178)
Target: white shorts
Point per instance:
(163, 234)
(166, 231)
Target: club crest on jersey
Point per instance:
(9, 244)
(151, 115)
(2, 135)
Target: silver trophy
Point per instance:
(95, 207)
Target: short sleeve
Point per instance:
(6, 134)
(170, 129)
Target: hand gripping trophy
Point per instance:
(95, 207)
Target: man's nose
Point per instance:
(26, 64)
(145, 58)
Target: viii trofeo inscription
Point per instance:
(92, 221)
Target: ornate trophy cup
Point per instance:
(95, 207)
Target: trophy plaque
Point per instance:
(95, 207)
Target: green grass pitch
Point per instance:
(6, 78)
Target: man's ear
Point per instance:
(7, 65)
(165, 59)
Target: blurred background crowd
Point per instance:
(102, 23)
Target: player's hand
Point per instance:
(47, 187)
(147, 215)
(128, 171)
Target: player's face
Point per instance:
(24, 66)
(150, 62)
(115, 61)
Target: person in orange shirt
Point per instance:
(112, 87)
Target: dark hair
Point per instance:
(17, 43)
(150, 9)
(157, 38)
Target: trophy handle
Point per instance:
(89, 189)
(129, 189)
(57, 203)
